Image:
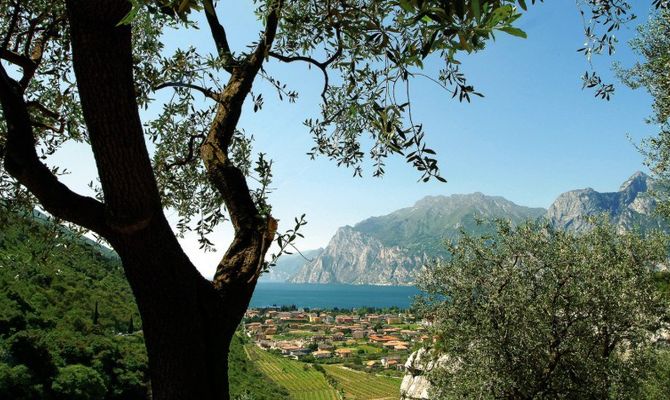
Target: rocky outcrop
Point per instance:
(355, 258)
(415, 384)
(632, 207)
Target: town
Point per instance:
(362, 341)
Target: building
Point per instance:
(359, 334)
(322, 354)
(344, 353)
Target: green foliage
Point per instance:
(17, 383)
(657, 384)
(53, 288)
(78, 382)
(530, 312)
(653, 74)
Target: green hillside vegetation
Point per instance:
(246, 379)
(423, 227)
(69, 326)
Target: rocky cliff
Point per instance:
(390, 250)
(632, 207)
(288, 265)
(356, 258)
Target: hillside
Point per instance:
(390, 249)
(69, 326)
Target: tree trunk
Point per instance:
(187, 324)
(187, 321)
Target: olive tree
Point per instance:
(652, 73)
(530, 312)
(83, 69)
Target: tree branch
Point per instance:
(238, 270)
(322, 65)
(22, 162)
(206, 92)
(219, 36)
(191, 153)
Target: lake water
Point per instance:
(331, 295)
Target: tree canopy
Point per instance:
(534, 313)
(653, 75)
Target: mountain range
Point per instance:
(391, 249)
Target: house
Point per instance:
(373, 318)
(393, 320)
(344, 319)
(322, 354)
(382, 339)
(299, 352)
(286, 350)
(359, 334)
(338, 336)
(344, 353)
(325, 346)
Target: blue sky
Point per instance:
(534, 135)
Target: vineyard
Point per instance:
(361, 385)
(301, 380)
(304, 382)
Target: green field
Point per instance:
(362, 385)
(301, 380)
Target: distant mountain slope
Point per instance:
(288, 265)
(423, 227)
(390, 249)
(629, 208)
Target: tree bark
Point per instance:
(185, 322)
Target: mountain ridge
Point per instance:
(390, 249)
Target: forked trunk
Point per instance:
(187, 324)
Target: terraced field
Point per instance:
(301, 380)
(363, 386)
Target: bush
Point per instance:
(17, 383)
(78, 382)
